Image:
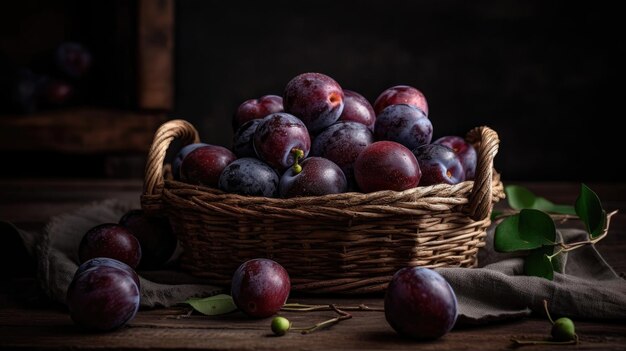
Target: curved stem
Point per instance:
(545, 307)
(555, 254)
(297, 307)
(573, 246)
(342, 316)
(297, 155)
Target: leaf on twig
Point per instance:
(589, 209)
(520, 198)
(529, 229)
(540, 263)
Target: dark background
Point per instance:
(547, 76)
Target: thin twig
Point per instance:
(342, 316)
(544, 342)
(180, 316)
(297, 307)
(545, 307)
(555, 216)
(573, 246)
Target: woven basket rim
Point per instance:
(415, 192)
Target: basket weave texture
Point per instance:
(348, 243)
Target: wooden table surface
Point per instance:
(29, 321)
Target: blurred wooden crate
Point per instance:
(132, 88)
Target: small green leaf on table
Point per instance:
(529, 229)
(520, 198)
(589, 209)
(213, 305)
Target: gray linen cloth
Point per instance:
(498, 290)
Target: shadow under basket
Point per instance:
(350, 243)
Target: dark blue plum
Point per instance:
(242, 140)
(420, 304)
(319, 176)
(180, 156)
(102, 298)
(464, 150)
(315, 98)
(342, 143)
(277, 136)
(249, 176)
(404, 124)
(108, 262)
(439, 165)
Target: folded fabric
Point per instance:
(498, 290)
(588, 287)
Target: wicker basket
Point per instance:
(341, 243)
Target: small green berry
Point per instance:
(563, 330)
(280, 325)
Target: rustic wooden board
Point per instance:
(80, 130)
(160, 330)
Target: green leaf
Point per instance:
(520, 198)
(213, 305)
(526, 230)
(539, 264)
(590, 211)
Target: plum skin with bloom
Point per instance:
(401, 94)
(110, 240)
(386, 165)
(260, 287)
(439, 165)
(257, 109)
(420, 304)
(319, 176)
(276, 137)
(357, 109)
(404, 124)
(315, 98)
(102, 298)
(464, 150)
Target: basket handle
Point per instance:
(174, 129)
(486, 142)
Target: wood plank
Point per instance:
(160, 330)
(81, 130)
(156, 54)
(32, 202)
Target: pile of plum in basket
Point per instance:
(320, 139)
